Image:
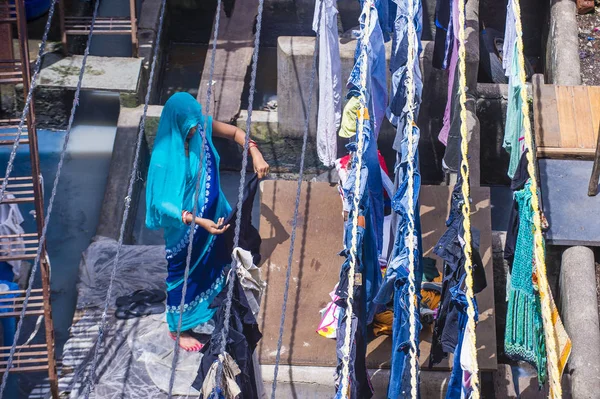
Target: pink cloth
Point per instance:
(443, 136)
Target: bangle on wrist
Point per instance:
(251, 144)
(184, 216)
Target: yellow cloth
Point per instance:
(431, 299)
(350, 116)
(382, 323)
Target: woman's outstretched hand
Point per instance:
(212, 227)
(261, 167)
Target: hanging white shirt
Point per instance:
(330, 81)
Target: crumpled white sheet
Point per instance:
(10, 224)
(250, 279)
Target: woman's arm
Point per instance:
(230, 132)
(207, 224)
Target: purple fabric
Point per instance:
(443, 136)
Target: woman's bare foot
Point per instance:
(187, 342)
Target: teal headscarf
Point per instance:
(170, 170)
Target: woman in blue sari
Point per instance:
(170, 192)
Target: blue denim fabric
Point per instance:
(459, 300)
(400, 385)
(450, 249)
(368, 251)
(371, 41)
(396, 278)
(398, 109)
(444, 34)
(363, 307)
(372, 179)
(399, 255)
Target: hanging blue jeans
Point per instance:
(396, 278)
(371, 42)
(397, 110)
(358, 378)
(459, 300)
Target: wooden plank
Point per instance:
(583, 121)
(233, 55)
(565, 153)
(545, 111)
(594, 97)
(566, 117)
(316, 266)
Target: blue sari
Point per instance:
(170, 190)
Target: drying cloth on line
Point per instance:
(10, 224)
(243, 337)
(250, 279)
(229, 387)
(330, 80)
(330, 316)
(249, 237)
(524, 338)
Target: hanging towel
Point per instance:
(10, 224)
(524, 338)
(330, 80)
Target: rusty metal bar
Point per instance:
(133, 19)
(39, 200)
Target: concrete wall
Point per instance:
(294, 68)
(562, 48)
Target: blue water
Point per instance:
(79, 195)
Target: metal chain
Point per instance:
(196, 195)
(227, 316)
(133, 177)
(297, 204)
(54, 190)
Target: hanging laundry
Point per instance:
(228, 388)
(444, 34)
(249, 237)
(524, 337)
(330, 80)
(371, 39)
(242, 340)
(514, 139)
(396, 282)
(398, 107)
(10, 224)
(359, 383)
(250, 279)
(450, 63)
(330, 317)
(450, 249)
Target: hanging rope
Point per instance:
(540, 256)
(236, 239)
(132, 178)
(32, 86)
(410, 120)
(288, 274)
(466, 209)
(177, 349)
(356, 203)
(42, 239)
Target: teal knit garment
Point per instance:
(524, 338)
